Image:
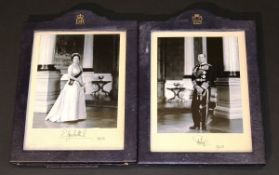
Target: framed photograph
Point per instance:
(84, 98)
(77, 92)
(81, 100)
(200, 103)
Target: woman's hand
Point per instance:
(81, 84)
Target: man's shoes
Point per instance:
(203, 128)
(197, 127)
(194, 127)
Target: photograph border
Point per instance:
(208, 21)
(106, 138)
(213, 142)
(67, 21)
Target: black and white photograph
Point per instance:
(77, 81)
(75, 84)
(199, 92)
(199, 85)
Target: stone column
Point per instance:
(228, 87)
(87, 63)
(115, 69)
(48, 84)
(160, 70)
(204, 46)
(189, 63)
(230, 53)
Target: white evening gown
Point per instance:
(70, 104)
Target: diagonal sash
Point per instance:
(71, 82)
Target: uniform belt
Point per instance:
(200, 80)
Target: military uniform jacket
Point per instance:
(202, 75)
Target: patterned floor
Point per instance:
(178, 120)
(176, 117)
(97, 117)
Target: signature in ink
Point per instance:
(73, 133)
(200, 140)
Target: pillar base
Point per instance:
(188, 93)
(228, 98)
(227, 113)
(48, 88)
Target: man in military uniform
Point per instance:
(201, 79)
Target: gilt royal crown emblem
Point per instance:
(197, 19)
(80, 19)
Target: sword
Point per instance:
(201, 107)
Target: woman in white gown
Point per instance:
(70, 104)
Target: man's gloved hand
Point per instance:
(199, 89)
